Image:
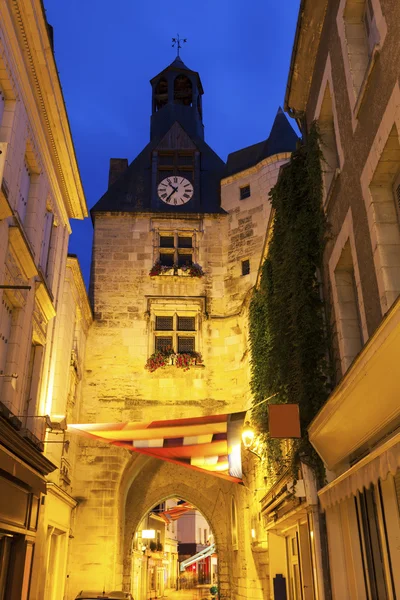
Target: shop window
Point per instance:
(372, 543)
(245, 192)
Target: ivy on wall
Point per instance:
(287, 331)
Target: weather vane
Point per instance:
(177, 41)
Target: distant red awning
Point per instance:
(174, 513)
(211, 443)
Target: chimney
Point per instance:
(117, 167)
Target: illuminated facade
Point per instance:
(178, 240)
(40, 192)
(343, 75)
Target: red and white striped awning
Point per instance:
(211, 443)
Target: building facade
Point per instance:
(345, 75)
(40, 192)
(178, 240)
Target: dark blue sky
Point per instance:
(107, 52)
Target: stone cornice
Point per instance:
(267, 161)
(40, 85)
(56, 491)
(13, 440)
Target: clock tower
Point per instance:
(177, 172)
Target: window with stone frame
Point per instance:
(176, 249)
(326, 122)
(176, 332)
(245, 192)
(362, 30)
(175, 163)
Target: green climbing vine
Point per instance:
(288, 337)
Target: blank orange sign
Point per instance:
(284, 421)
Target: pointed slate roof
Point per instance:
(132, 191)
(282, 138)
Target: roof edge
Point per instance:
(41, 62)
(310, 21)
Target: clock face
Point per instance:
(175, 190)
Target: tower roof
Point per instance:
(282, 138)
(179, 66)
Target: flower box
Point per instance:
(193, 270)
(184, 360)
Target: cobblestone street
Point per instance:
(198, 593)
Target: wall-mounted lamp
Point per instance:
(248, 435)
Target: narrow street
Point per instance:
(200, 592)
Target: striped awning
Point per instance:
(211, 444)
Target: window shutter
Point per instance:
(24, 191)
(5, 331)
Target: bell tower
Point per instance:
(176, 96)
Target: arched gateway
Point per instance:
(156, 482)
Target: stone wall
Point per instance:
(114, 488)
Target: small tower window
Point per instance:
(245, 267)
(161, 94)
(245, 192)
(183, 92)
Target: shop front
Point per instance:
(23, 469)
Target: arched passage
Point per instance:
(142, 488)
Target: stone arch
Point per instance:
(147, 482)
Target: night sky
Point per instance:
(107, 52)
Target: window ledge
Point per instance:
(22, 251)
(360, 98)
(331, 187)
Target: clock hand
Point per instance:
(173, 192)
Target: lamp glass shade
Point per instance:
(247, 436)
